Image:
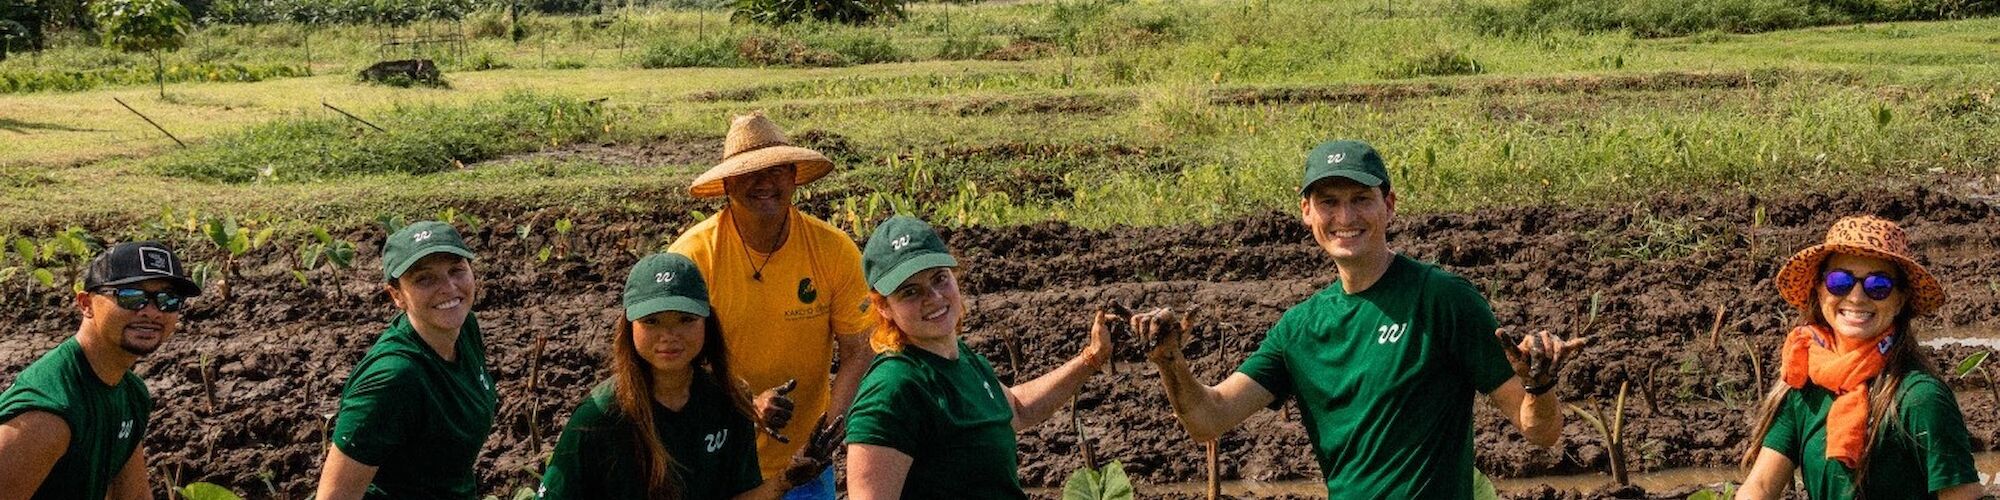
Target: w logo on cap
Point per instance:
(1336, 157)
(666, 277)
(420, 236)
(899, 243)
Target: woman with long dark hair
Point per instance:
(671, 422)
(1858, 410)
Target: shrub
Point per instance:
(776, 12)
(683, 53)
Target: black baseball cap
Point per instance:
(133, 262)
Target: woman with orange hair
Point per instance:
(1858, 410)
(931, 419)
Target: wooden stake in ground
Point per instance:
(351, 116)
(149, 121)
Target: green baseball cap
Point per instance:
(1347, 159)
(901, 247)
(665, 282)
(415, 241)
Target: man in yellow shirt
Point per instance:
(787, 287)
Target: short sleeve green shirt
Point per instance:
(713, 446)
(951, 416)
(105, 422)
(1929, 451)
(419, 419)
(1385, 380)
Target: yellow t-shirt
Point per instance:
(782, 326)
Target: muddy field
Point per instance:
(1664, 270)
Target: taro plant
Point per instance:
(1724, 492)
(460, 219)
(207, 491)
(231, 242)
(1091, 483)
(1612, 429)
(558, 250)
(72, 248)
(1977, 362)
(322, 251)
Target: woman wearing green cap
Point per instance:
(669, 370)
(418, 407)
(931, 419)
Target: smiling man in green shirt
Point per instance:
(72, 423)
(1383, 362)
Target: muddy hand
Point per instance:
(1162, 332)
(774, 410)
(1102, 348)
(1538, 358)
(817, 455)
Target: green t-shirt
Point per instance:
(105, 422)
(416, 417)
(1929, 451)
(1385, 380)
(951, 416)
(714, 449)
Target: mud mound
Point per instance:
(1663, 270)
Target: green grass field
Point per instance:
(1139, 112)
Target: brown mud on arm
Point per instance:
(1204, 411)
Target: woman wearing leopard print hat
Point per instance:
(1858, 410)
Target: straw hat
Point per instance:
(1865, 236)
(754, 143)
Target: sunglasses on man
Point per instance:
(133, 299)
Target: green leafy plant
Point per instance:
(150, 26)
(460, 219)
(1090, 483)
(1977, 362)
(320, 252)
(1726, 491)
(207, 491)
(231, 242)
(1482, 487)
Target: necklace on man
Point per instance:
(757, 270)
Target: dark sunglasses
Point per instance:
(133, 299)
(1875, 285)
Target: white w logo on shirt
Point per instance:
(1390, 334)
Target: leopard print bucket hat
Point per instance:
(1866, 236)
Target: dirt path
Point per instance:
(280, 351)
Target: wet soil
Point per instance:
(280, 351)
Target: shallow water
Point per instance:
(1655, 481)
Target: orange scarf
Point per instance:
(1843, 368)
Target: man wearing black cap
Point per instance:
(1383, 362)
(72, 423)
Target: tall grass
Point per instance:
(417, 140)
(1663, 18)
